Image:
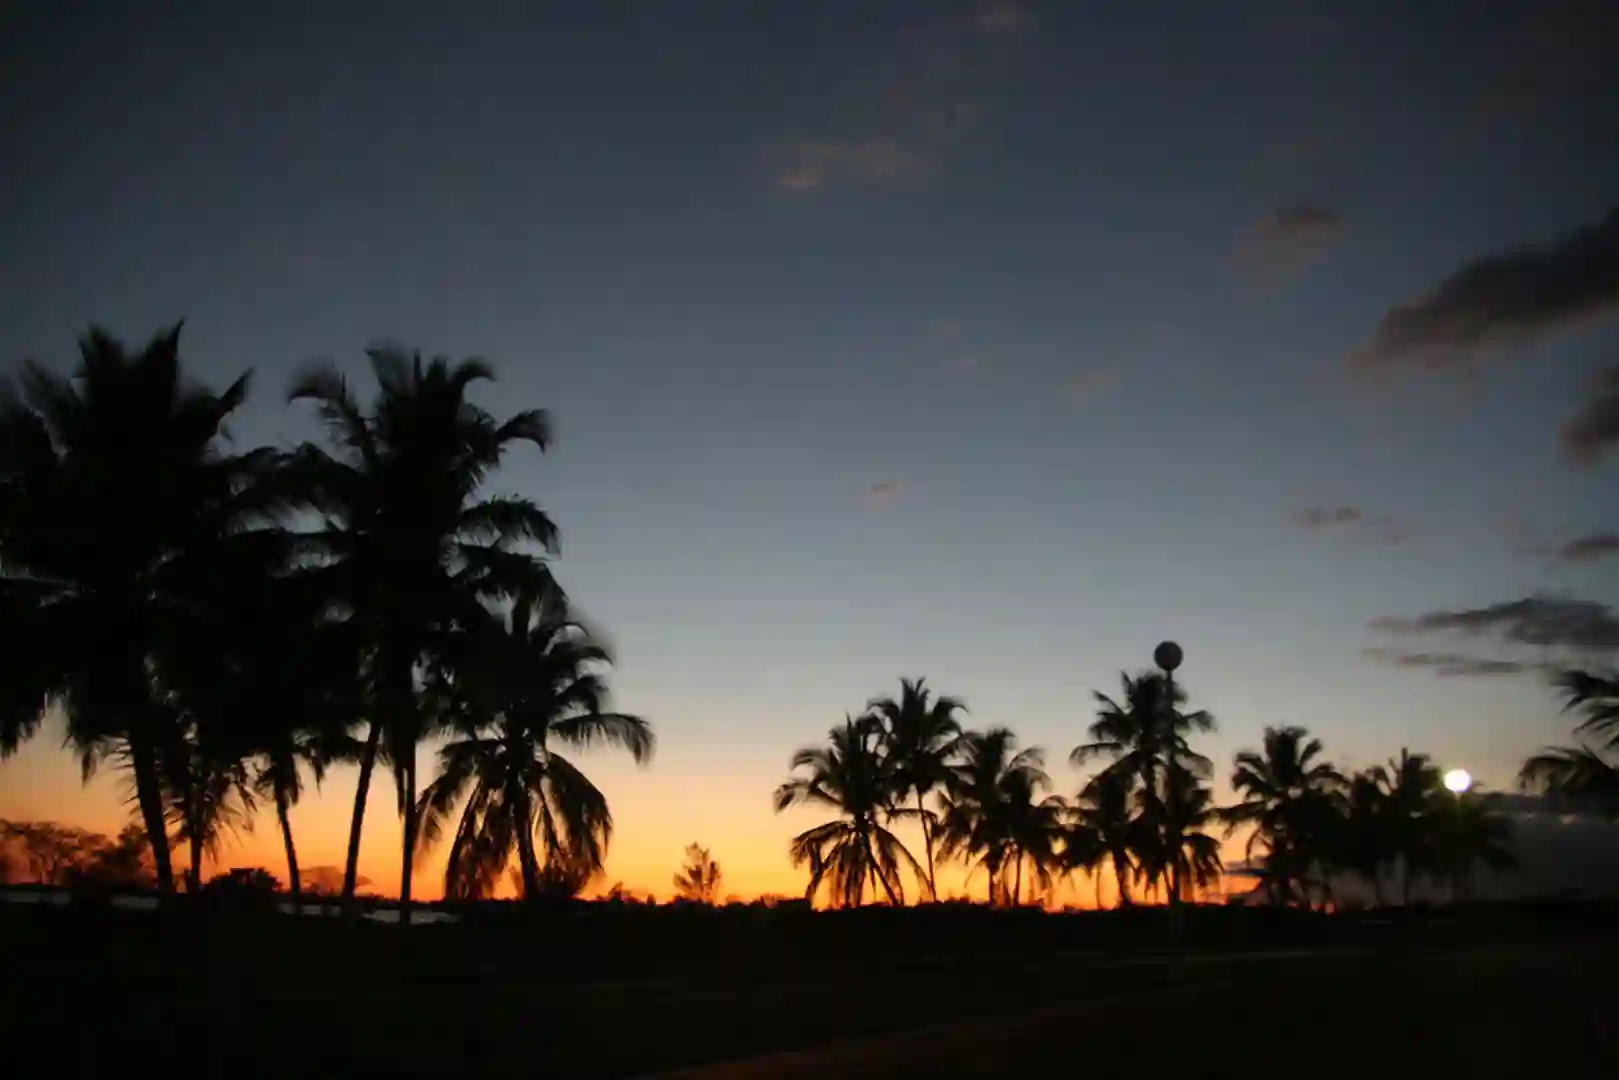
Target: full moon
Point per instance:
(1458, 780)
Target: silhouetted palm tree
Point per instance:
(995, 815)
(113, 493)
(1175, 845)
(1465, 833)
(525, 690)
(406, 546)
(1580, 771)
(920, 734)
(1106, 829)
(207, 791)
(699, 879)
(850, 777)
(1365, 843)
(1293, 801)
(1146, 736)
(1597, 696)
(1411, 787)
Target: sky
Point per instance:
(992, 343)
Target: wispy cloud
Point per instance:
(1583, 626)
(1280, 246)
(1089, 383)
(807, 165)
(1589, 548)
(1321, 517)
(882, 493)
(909, 115)
(1003, 17)
(1449, 664)
(1501, 301)
(1588, 434)
(1384, 528)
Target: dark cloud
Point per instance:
(1502, 301)
(1600, 545)
(1566, 53)
(1283, 244)
(1448, 664)
(1591, 430)
(1544, 621)
(1320, 517)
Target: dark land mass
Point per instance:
(599, 990)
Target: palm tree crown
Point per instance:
(995, 815)
(115, 495)
(848, 776)
(920, 735)
(526, 690)
(1293, 802)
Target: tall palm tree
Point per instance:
(208, 791)
(406, 545)
(525, 690)
(1106, 828)
(1365, 845)
(1411, 787)
(1466, 833)
(1145, 734)
(1292, 801)
(920, 734)
(850, 777)
(114, 491)
(995, 815)
(1175, 817)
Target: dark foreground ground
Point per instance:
(965, 994)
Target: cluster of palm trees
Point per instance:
(1147, 815)
(225, 624)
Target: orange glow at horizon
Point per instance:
(654, 813)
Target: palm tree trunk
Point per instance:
(888, 889)
(196, 860)
(1123, 881)
(351, 868)
(1017, 878)
(927, 842)
(294, 885)
(527, 860)
(408, 863)
(149, 794)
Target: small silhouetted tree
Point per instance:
(699, 879)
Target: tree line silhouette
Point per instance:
(1148, 816)
(219, 623)
(223, 625)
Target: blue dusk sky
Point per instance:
(992, 343)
